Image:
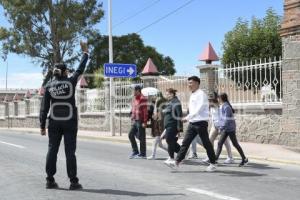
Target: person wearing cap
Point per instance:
(139, 118)
(59, 99)
(198, 118)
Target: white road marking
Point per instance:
(211, 194)
(14, 145)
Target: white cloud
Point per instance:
(22, 81)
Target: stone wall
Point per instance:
(291, 89)
(20, 122)
(291, 20)
(262, 126)
(290, 33)
(255, 125)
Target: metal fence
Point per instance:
(123, 94)
(11, 110)
(251, 82)
(95, 100)
(35, 104)
(21, 108)
(2, 110)
(257, 82)
(180, 84)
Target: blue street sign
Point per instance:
(117, 70)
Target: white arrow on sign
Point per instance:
(130, 71)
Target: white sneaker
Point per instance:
(140, 157)
(229, 161)
(168, 159)
(152, 157)
(211, 168)
(206, 160)
(171, 163)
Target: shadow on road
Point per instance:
(194, 162)
(240, 173)
(225, 173)
(250, 165)
(160, 158)
(120, 192)
(260, 166)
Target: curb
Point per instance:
(112, 139)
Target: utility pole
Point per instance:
(111, 88)
(6, 75)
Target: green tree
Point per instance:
(48, 31)
(127, 49)
(257, 40)
(250, 42)
(98, 78)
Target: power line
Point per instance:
(165, 16)
(136, 13)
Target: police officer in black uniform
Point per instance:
(59, 98)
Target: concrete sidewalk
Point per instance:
(266, 152)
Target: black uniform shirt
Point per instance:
(59, 96)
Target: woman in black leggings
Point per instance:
(172, 122)
(227, 127)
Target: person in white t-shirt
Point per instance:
(198, 118)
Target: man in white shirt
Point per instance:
(198, 118)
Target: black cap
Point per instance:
(138, 87)
(61, 66)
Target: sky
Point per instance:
(182, 35)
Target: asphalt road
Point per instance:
(106, 173)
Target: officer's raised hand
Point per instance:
(84, 47)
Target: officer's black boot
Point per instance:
(51, 184)
(75, 185)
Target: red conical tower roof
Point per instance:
(82, 82)
(209, 54)
(150, 68)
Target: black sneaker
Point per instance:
(51, 184)
(75, 186)
(244, 162)
(141, 156)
